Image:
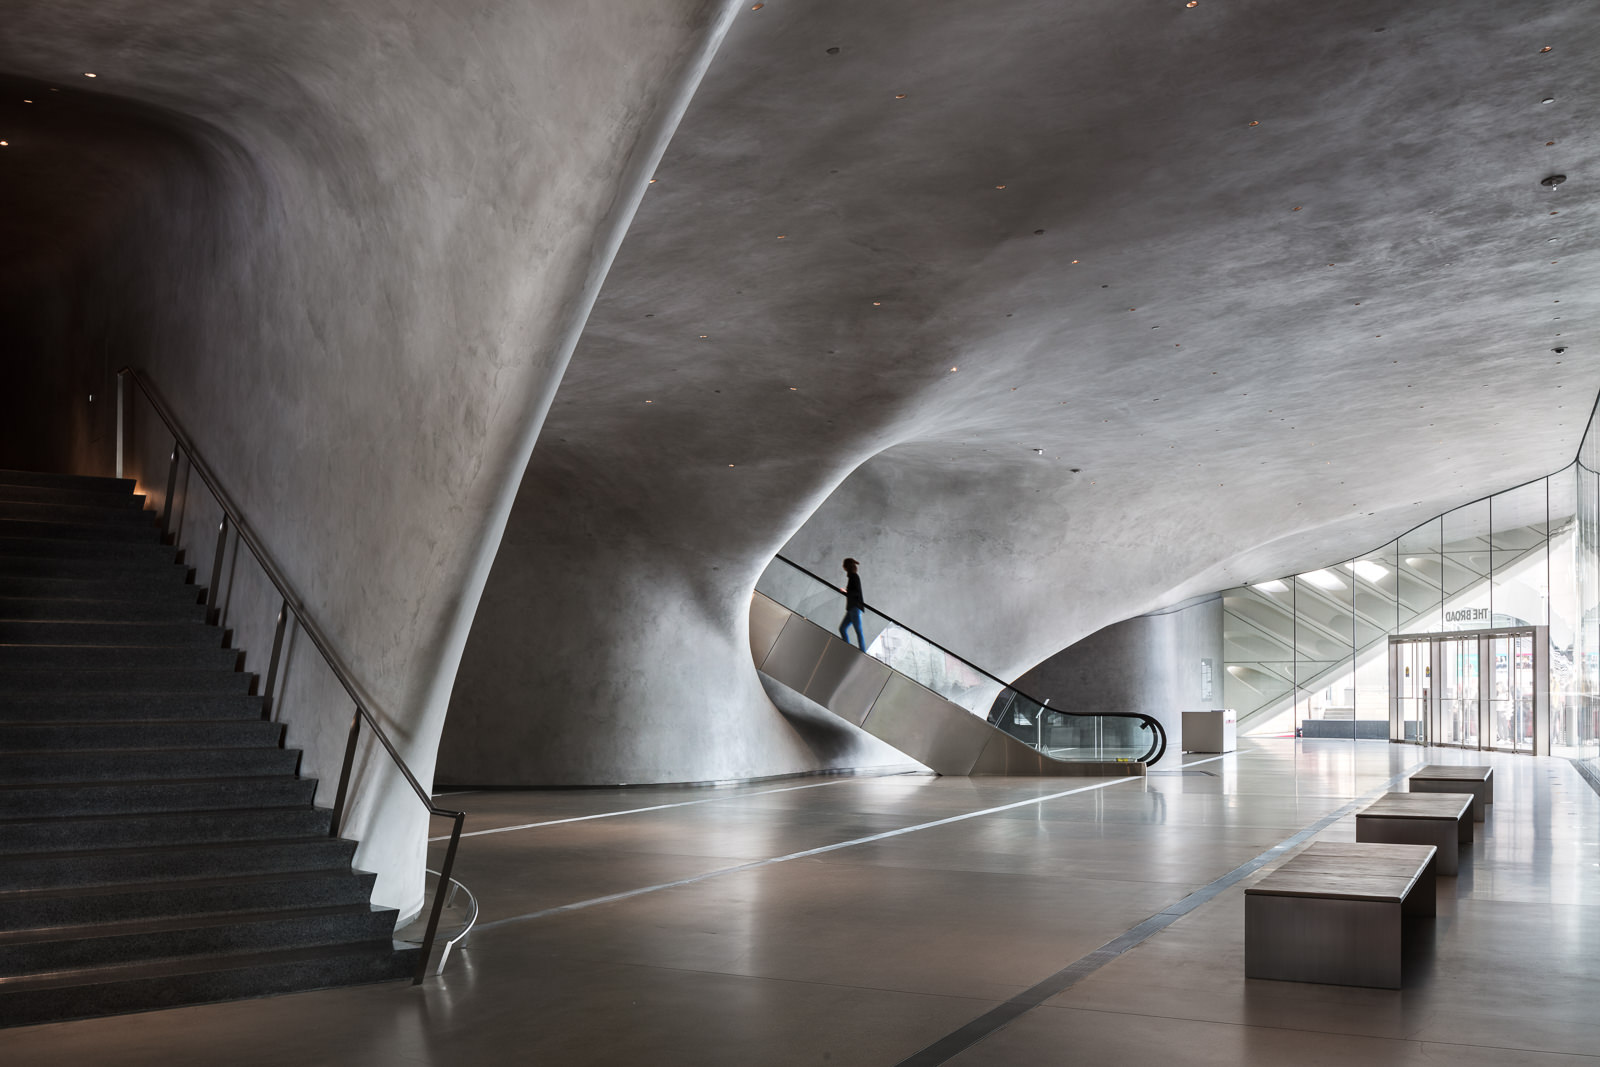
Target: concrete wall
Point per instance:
(1012, 303)
(1151, 663)
(358, 285)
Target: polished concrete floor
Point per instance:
(866, 920)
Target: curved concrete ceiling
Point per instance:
(1051, 314)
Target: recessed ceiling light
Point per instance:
(730, 464)
(702, 337)
(757, 7)
(952, 370)
(1297, 207)
(652, 181)
(1548, 100)
(27, 101)
(86, 74)
(899, 96)
(877, 303)
(781, 236)
(4, 143)
(999, 187)
(1546, 48)
(1253, 122)
(1547, 144)
(1192, 3)
(1075, 262)
(794, 389)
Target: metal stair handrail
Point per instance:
(292, 605)
(1158, 745)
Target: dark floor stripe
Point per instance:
(960, 1040)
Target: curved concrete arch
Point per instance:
(361, 310)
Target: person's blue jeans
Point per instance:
(852, 617)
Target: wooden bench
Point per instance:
(1479, 781)
(1333, 913)
(1443, 820)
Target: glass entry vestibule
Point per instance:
(1484, 689)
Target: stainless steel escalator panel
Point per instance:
(796, 653)
(767, 619)
(847, 681)
(944, 737)
(1004, 754)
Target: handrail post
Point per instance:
(172, 487)
(438, 898)
(270, 691)
(290, 606)
(344, 774)
(119, 423)
(216, 567)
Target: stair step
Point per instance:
(120, 553)
(127, 707)
(55, 609)
(202, 896)
(83, 833)
(53, 870)
(127, 797)
(114, 512)
(132, 765)
(157, 844)
(163, 585)
(139, 734)
(74, 482)
(18, 683)
(48, 495)
(31, 565)
(80, 533)
(104, 658)
(199, 980)
(109, 944)
(132, 637)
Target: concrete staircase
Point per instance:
(157, 844)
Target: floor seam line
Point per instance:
(628, 894)
(653, 807)
(991, 1022)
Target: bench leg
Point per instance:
(1424, 896)
(1316, 939)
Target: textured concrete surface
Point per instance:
(1150, 663)
(358, 281)
(1293, 292)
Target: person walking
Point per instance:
(853, 605)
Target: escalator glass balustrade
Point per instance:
(932, 704)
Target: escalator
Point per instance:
(941, 710)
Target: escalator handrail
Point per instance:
(1158, 744)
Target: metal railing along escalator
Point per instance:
(1060, 734)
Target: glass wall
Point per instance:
(1308, 653)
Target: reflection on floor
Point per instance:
(906, 916)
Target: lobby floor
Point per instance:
(864, 921)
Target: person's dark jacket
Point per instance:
(853, 600)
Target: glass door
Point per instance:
(1457, 659)
(1512, 692)
(1409, 680)
(1478, 689)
